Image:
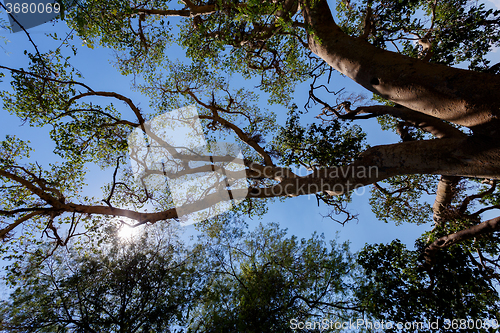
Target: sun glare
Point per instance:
(125, 231)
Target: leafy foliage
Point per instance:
(459, 31)
(264, 279)
(253, 282)
(328, 145)
(141, 40)
(228, 282)
(145, 285)
(398, 288)
(402, 201)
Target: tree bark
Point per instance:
(444, 195)
(464, 156)
(460, 96)
(468, 157)
(481, 229)
(433, 125)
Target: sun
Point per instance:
(126, 232)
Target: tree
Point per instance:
(143, 285)
(263, 281)
(227, 282)
(406, 53)
(397, 289)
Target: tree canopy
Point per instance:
(227, 282)
(428, 66)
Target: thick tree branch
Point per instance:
(430, 124)
(12, 226)
(55, 202)
(481, 229)
(470, 157)
(451, 157)
(367, 23)
(446, 189)
(456, 95)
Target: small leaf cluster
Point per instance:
(403, 199)
(324, 145)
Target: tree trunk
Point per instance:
(468, 157)
(460, 96)
(444, 195)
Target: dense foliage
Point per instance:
(228, 282)
(241, 58)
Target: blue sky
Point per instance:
(301, 215)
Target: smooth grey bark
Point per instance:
(460, 96)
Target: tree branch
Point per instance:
(456, 95)
(467, 200)
(481, 229)
(12, 226)
(446, 189)
(46, 78)
(127, 100)
(193, 11)
(430, 124)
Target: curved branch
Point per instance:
(481, 229)
(482, 210)
(450, 157)
(243, 136)
(111, 192)
(456, 95)
(430, 124)
(46, 78)
(471, 157)
(240, 133)
(117, 121)
(127, 100)
(32, 188)
(467, 200)
(12, 226)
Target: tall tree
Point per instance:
(229, 281)
(264, 281)
(144, 285)
(406, 53)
